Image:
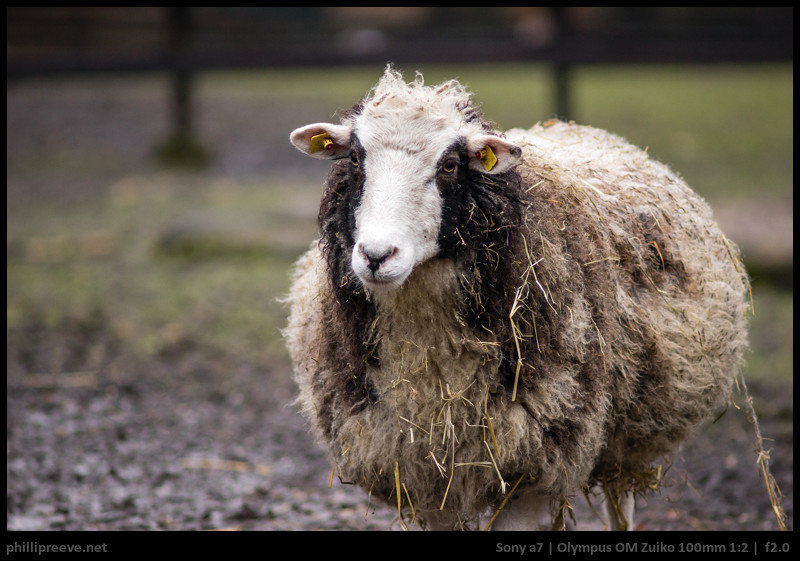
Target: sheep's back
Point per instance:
(663, 291)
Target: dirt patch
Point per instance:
(189, 439)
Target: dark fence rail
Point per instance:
(91, 40)
(184, 41)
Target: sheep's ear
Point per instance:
(492, 154)
(322, 140)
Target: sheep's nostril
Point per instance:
(375, 257)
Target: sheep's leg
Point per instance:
(524, 512)
(619, 509)
(441, 521)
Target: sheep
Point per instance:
(491, 323)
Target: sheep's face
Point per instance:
(408, 165)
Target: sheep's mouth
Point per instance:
(381, 282)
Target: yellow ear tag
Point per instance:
(487, 158)
(320, 142)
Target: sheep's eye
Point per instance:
(449, 166)
(354, 159)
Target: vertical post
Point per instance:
(180, 147)
(561, 79)
(179, 27)
(562, 66)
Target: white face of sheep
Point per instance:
(403, 158)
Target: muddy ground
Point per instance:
(215, 448)
(195, 436)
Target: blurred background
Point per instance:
(155, 206)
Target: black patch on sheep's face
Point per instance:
(477, 208)
(337, 215)
(453, 182)
(350, 346)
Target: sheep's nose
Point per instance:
(376, 256)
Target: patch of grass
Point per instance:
(772, 336)
(340, 87)
(226, 299)
(726, 129)
(182, 151)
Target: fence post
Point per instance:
(562, 67)
(180, 147)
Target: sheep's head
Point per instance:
(411, 150)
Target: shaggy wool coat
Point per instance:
(589, 315)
